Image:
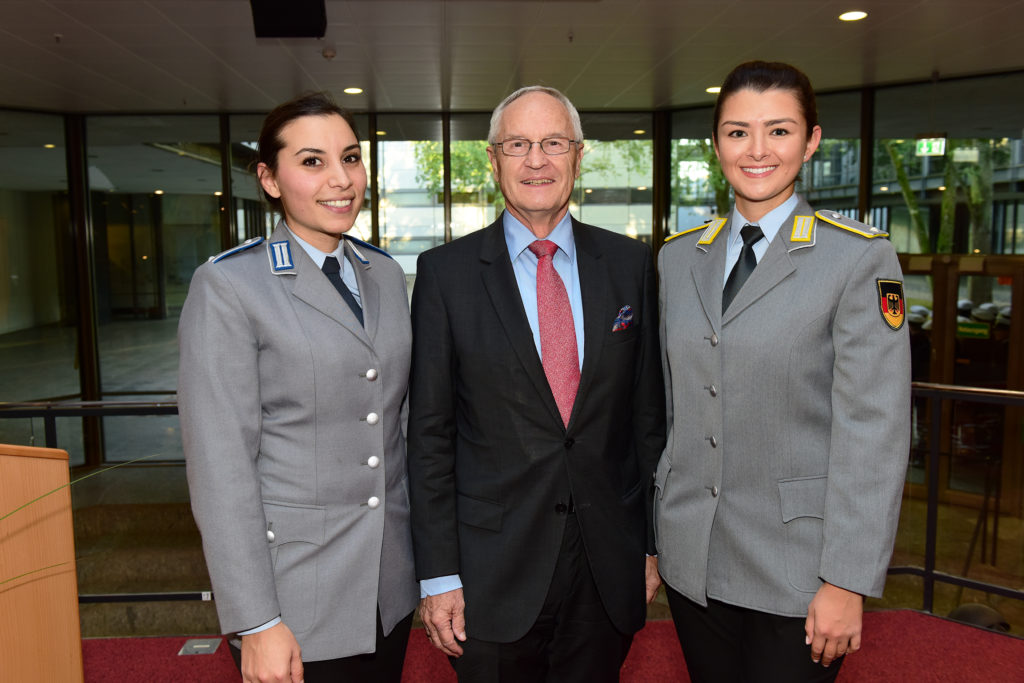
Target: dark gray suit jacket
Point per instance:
(489, 457)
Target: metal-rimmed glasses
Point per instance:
(520, 147)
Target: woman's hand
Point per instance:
(271, 656)
(833, 623)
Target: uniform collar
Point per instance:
(769, 223)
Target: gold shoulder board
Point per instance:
(856, 227)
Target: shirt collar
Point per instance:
(518, 237)
(319, 256)
(769, 223)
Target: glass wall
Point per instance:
(832, 177)
(615, 187)
(948, 166)
(156, 205)
(154, 183)
(410, 177)
(476, 200)
(698, 191)
(38, 306)
(252, 216)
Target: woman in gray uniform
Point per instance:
(292, 389)
(787, 365)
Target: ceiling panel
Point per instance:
(201, 55)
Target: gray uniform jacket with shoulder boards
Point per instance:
(293, 420)
(788, 427)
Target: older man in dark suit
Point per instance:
(536, 420)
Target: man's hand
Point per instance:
(444, 619)
(653, 578)
(833, 623)
(271, 656)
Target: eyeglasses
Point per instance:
(520, 147)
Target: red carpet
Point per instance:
(900, 646)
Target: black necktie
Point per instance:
(332, 269)
(744, 266)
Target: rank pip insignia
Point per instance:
(890, 298)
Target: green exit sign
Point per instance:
(930, 147)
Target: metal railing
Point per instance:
(939, 393)
(50, 411)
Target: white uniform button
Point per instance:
(374, 502)
(714, 492)
(270, 536)
(372, 418)
(373, 462)
(371, 374)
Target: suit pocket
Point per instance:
(627, 335)
(479, 513)
(298, 535)
(803, 512)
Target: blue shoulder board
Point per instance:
(361, 243)
(248, 244)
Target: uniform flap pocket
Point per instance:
(290, 522)
(803, 497)
(480, 513)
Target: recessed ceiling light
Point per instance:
(158, 191)
(714, 90)
(588, 191)
(883, 188)
(855, 15)
(353, 91)
(49, 145)
(639, 131)
(942, 188)
(642, 188)
(217, 193)
(382, 132)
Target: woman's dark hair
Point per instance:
(270, 142)
(762, 76)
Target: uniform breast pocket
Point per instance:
(803, 514)
(295, 533)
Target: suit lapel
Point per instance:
(594, 278)
(500, 283)
(369, 289)
(708, 276)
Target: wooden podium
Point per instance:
(40, 637)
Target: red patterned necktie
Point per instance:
(557, 330)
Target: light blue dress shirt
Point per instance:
(770, 224)
(518, 239)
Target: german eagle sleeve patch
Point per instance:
(890, 300)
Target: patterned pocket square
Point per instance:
(624, 319)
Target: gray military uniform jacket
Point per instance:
(788, 426)
(293, 421)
